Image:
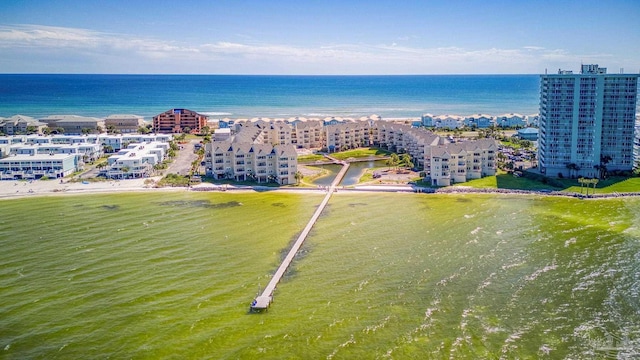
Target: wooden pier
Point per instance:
(262, 301)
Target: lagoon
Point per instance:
(353, 175)
(171, 275)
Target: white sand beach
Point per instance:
(22, 189)
(17, 189)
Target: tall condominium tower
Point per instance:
(586, 122)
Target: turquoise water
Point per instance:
(268, 96)
(399, 276)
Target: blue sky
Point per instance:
(317, 37)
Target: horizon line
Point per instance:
(239, 74)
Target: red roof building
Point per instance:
(179, 121)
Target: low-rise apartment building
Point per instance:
(308, 134)
(433, 153)
(448, 122)
(136, 161)
(251, 161)
(348, 135)
(20, 124)
(462, 161)
(124, 123)
(511, 120)
(480, 121)
(74, 124)
(35, 156)
(114, 143)
(36, 166)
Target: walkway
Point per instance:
(263, 300)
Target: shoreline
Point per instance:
(38, 188)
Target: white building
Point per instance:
(460, 162)
(480, 121)
(586, 122)
(533, 120)
(117, 142)
(36, 166)
(444, 163)
(511, 120)
(448, 122)
(427, 120)
(136, 161)
(350, 135)
(251, 161)
(221, 134)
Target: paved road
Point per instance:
(182, 163)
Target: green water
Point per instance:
(399, 276)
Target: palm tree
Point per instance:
(582, 181)
(298, 176)
(573, 167)
(393, 161)
(101, 165)
(602, 168)
(406, 162)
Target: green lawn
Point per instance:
(611, 185)
(360, 153)
(310, 158)
(506, 181)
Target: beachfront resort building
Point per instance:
(443, 162)
(448, 122)
(251, 155)
(586, 122)
(124, 123)
(74, 124)
(114, 143)
(480, 121)
(258, 149)
(36, 166)
(20, 124)
(308, 134)
(511, 120)
(463, 161)
(349, 135)
(137, 160)
(36, 156)
(179, 121)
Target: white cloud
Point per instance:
(235, 57)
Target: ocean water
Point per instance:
(382, 276)
(268, 96)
